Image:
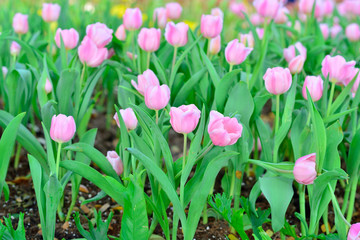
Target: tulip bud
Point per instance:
(20, 23)
(236, 52)
(328, 7)
(282, 15)
(315, 87)
(48, 86)
(185, 118)
(121, 33)
(15, 48)
(247, 40)
(160, 17)
(131, 55)
(352, 6)
(354, 232)
(145, 80)
(324, 30)
(99, 33)
(306, 6)
(62, 128)
(353, 32)
(223, 131)
(149, 39)
(50, 12)
(291, 52)
(128, 117)
(157, 97)
(256, 19)
(211, 26)
(267, 8)
(277, 80)
(176, 34)
(335, 30)
(70, 38)
(217, 12)
(337, 69)
(132, 19)
(90, 54)
(115, 162)
(173, 10)
(237, 8)
(260, 33)
(4, 71)
(305, 169)
(296, 64)
(215, 45)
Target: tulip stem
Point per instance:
(148, 60)
(182, 170)
(133, 48)
(157, 116)
(58, 160)
(302, 207)
(331, 98)
(337, 207)
(50, 40)
(231, 67)
(277, 117)
(82, 76)
(174, 59)
(350, 211)
(17, 156)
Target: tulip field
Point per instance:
(188, 119)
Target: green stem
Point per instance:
(276, 128)
(232, 185)
(336, 205)
(346, 199)
(13, 61)
(182, 170)
(205, 216)
(331, 98)
(148, 60)
(157, 116)
(326, 220)
(302, 207)
(133, 161)
(133, 48)
(174, 59)
(50, 40)
(82, 76)
(231, 67)
(72, 205)
(58, 160)
(350, 211)
(17, 156)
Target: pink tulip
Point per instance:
(90, 54)
(185, 118)
(4, 71)
(70, 38)
(132, 19)
(353, 32)
(335, 30)
(121, 33)
(260, 33)
(62, 128)
(15, 48)
(328, 7)
(291, 52)
(215, 45)
(267, 8)
(237, 8)
(149, 39)
(50, 12)
(256, 19)
(115, 162)
(173, 10)
(236, 52)
(157, 97)
(355, 87)
(217, 12)
(337, 69)
(160, 17)
(145, 80)
(131, 55)
(304, 169)
(315, 87)
(282, 15)
(296, 64)
(176, 34)
(128, 117)
(211, 26)
(325, 30)
(277, 80)
(223, 131)
(48, 86)
(354, 232)
(247, 40)
(20, 23)
(99, 33)
(352, 6)
(306, 6)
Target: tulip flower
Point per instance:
(314, 84)
(324, 28)
(173, 10)
(267, 8)
(115, 162)
(356, 85)
(215, 45)
(306, 6)
(50, 12)
(354, 232)
(149, 39)
(176, 34)
(282, 15)
(352, 6)
(296, 64)
(223, 131)
(4, 71)
(128, 117)
(328, 7)
(90, 54)
(290, 52)
(256, 19)
(335, 30)
(305, 169)
(260, 32)
(132, 19)
(217, 12)
(337, 69)
(236, 52)
(277, 80)
(185, 118)
(121, 33)
(48, 86)
(15, 48)
(247, 40)
(157, 97)
(237, 8)
(62, 128)
(99, 33)
(20, 23)
(160, 17)
(211, 26)
(70, 38)
(145, 80)
(352, 32)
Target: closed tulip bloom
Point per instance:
(328, 7)
(15, 48)
(70, 38)
(325, 30)
(215, 45)
(335, 30)
(121, 33)
(99, 33)
(236, 52)
(305, 6)
(282, 15)
(217, 12)
(355, 87)
(211, 26)
(353, 32)
(128, 117)
(160, 17)
(352, 6)
(4, 71)
(62, 128)
(314, 84)
(173, 10)
(20, 23)
(291, 52)
(305, 169)
(50, 12)
(131, 55)
(115, 162)
(176, 34)
(149, 39)
(260, 33)
(90, 54)
(277, 80)
(157, 97)
(185, 118)
(337, 69)
(48, 86)
(132, 19)
(296, 64)
(237, 8)
(256, 19)
(247, 40)
(223, 131)
(354, 232)
(267, 8)
(145, 80)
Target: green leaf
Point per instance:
(100, 232)
(284, 169)
(65, 89)
(353, 161)
(222, 90)
(212, 71)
